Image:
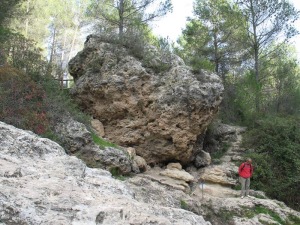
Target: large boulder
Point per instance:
(161, 113)
(41, 184)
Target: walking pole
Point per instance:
(202, 186)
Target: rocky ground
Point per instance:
(213, 180)
(213, 196)
(41, 184)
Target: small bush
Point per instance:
(258, 209)
(275, 216)
(35, 103)
(293, 220)
(29, 99)
(22, 102)
(220, 153)
(183, 204)
(276, 158)
(116, 173)
(103, 143)
(157, 57)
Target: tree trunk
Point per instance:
(279, 88)
(121, 17)
(256, 59)
(27, 20)
(216, 53)
(73, 43)
(49, 68)
(257, 91)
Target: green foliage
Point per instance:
(134, 33)
(29, 99)
(281, 81)
(6, 8)
(260, 74)
(276, 158)
(24, 55)
(54, 23)
(217, 155)
(266, 20)
(244, 102)
(135, 40)
(226, 216)
(211, 40)
(275, 216)
(103, 143)
(33, 102)
(183, 204)
(125, 15)
(258, 209)
(116, 173)
(158, 59)
(194, 46)
(22, 101)
(293, 220)
(279, 91)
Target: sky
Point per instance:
(296, 39)
(171, 25)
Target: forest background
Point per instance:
(245, 42)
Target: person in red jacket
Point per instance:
(245, 173)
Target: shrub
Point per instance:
(101, 142)
(183, 204)
(34, 103)
(276, 158)
(22, 101)
(217, 155)
(28, 98)
(116, 173)
(137, 43)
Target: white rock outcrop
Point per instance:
(78, 141)
(41, 184)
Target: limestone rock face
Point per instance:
(178, 174)
(98, 126)
(160, 114)
(78, 141)
(202, 159)
(226, 208)
(224, 174)
(40, 184)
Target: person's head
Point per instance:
(249, 160)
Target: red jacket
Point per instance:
(245, 170)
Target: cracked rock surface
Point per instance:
(160, 114)
(41, 184)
